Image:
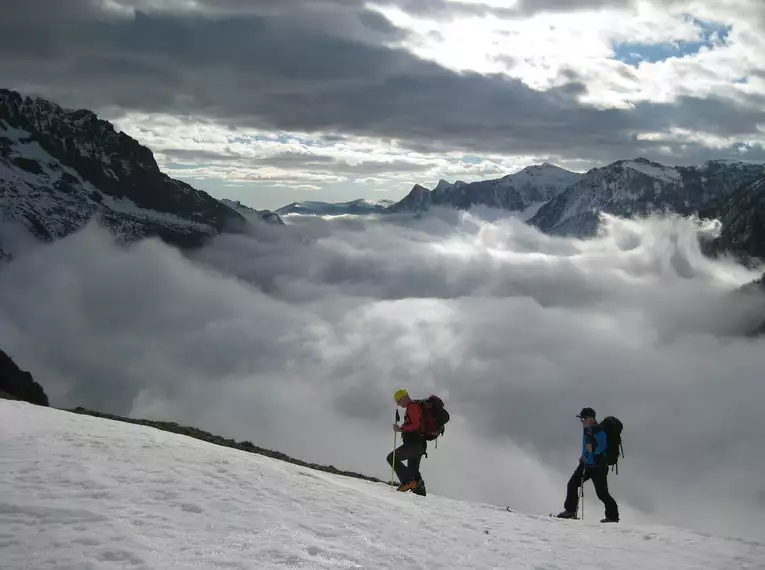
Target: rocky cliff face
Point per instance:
(743, 219)
(60, 168)
(18, 384)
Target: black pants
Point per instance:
(412, 453)
(599, 476)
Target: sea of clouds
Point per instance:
(296, 337)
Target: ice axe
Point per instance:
(393, 463)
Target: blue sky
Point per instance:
(634, 53)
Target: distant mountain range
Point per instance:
(561, 202)
(530, 187)
(355, 207)
(61, 168)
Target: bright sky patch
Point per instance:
(635, 53)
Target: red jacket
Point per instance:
(412, 421)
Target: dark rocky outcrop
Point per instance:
(742, 215)
(18, 384)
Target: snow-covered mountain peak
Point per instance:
(60, 168)
(539, 169)
(78, 131)
(370, 203)
(513, 192)
(653, 169)
(360, 206)
(721, 161)
(639, 187)
(545, 175)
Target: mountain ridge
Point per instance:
(359, 206)
(62, 168)
(267, 216)
(636, 187)
(513, 192)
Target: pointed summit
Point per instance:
(442, 185)
(418, 199)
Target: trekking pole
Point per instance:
(393, 464)
(581, 490)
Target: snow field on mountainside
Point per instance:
(32, 192)
(83, 493)
(660, 172)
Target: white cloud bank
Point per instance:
(295, 338)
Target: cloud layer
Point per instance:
(296, 337)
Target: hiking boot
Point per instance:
(607, 520)
(420, 488)
(565, 515)
(404, 487)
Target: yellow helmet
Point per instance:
(400, 394)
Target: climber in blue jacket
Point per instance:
(593, 442)
(592, 465)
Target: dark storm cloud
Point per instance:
(297, 162)
(320, 68)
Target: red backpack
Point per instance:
(434, 417)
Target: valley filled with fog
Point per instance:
(295, 337)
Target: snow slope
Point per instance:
(79, 492)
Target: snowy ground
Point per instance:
(82, 492)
